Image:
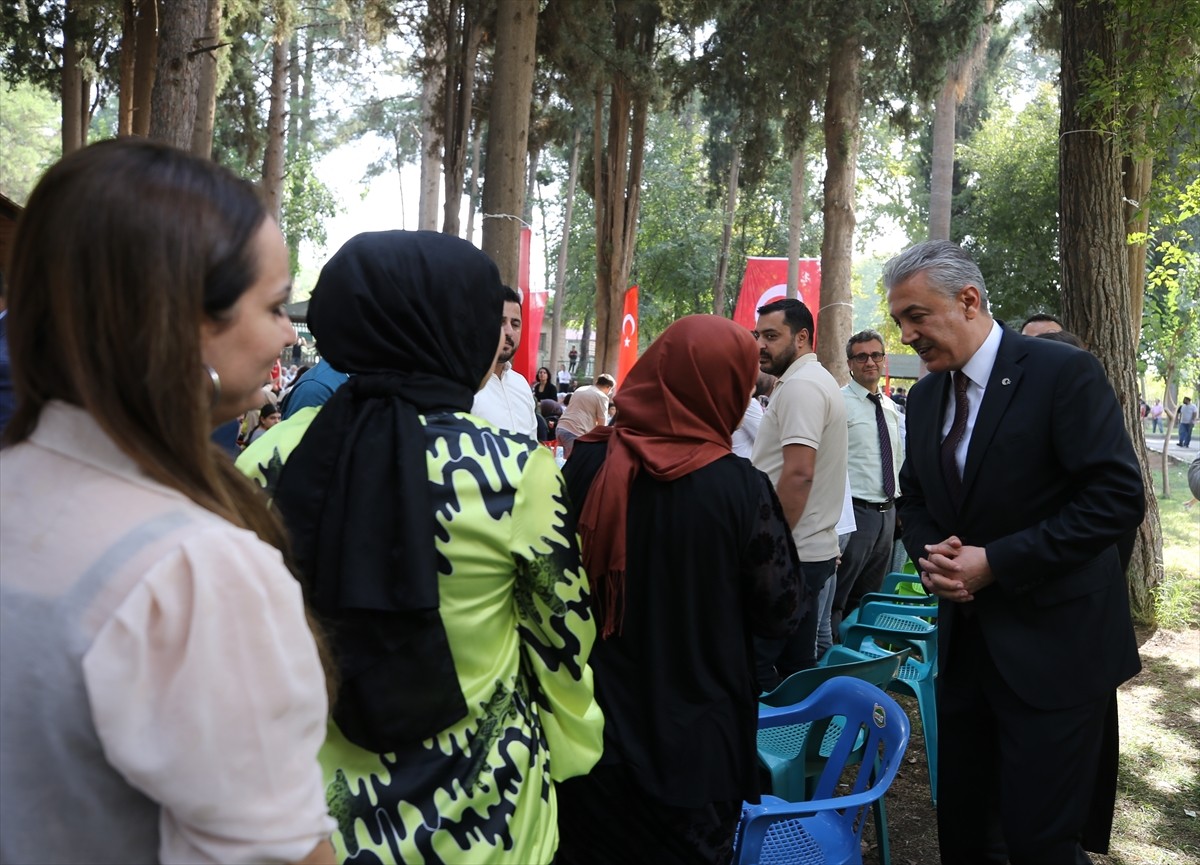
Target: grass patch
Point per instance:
(1177, 598)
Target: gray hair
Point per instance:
(863, 336)
(947, 266)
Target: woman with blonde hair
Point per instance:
(161, 695)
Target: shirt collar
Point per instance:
(979, 368)
(858, 390)
(810, 357)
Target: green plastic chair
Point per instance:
(880, 629)
(904, 583)
(786, 752)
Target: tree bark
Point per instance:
(177, 82)
(842, 101)
(731, 189)
(128, 64)
(206, 95)
(1094, 259)
(273, 168)
(942, 175)
(463, 35)
(618, 174)
(508, 134)
(473, 192)
(959, 76)
(145, 69)
(431, 142)
(1136, 174)
(72, 81)
(796, 219)
(557, 355)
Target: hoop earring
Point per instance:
(216, 383)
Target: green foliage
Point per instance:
(29, 137)
(1171, 312)
(307, 203)
(1009, 219)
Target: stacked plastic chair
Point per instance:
(870, 733)
(884, 623)
(784, 750)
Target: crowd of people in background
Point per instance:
(394, 630)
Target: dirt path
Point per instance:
(1159, 775)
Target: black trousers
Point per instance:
(1016, 783)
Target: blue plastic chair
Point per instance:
(876, 638)
(828, 828)
(914, 619)
(783, 750)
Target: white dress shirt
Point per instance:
(978, 370)
(507, 401)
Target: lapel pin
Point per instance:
(1006, 381)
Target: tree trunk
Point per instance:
(531, 183)
(473, 192)
(206, 97)
(735, 163)
(557, 355)
(128, 64)
(1094, 260)
(842, 101)
(618, 175)
(463, 34)
(1136, 174)
(177, 82)
(145, 69)
(942, 175)
(292, 142)
(959, 76)
(585, 341)
(796, 219)
(431, 141)
(273, 168)
(72, 81)
(508, 134)
(306, 93)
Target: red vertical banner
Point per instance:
(627, 353)
(533, 310)
(765, 281)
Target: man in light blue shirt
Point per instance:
(875, 452)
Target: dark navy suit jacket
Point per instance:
(1050, 486)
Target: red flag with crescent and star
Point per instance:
(627, 354)
(765, 280)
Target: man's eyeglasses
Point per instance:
(863, 357)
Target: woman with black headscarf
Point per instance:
(690, 555)
(440, 553)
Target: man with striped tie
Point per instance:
(874, 456)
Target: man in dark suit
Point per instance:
(1018, 482)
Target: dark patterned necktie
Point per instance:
(885, 447)
(957, 430)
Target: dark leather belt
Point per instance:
(874, 506)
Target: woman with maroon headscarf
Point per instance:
(689, 556)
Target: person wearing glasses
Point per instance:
(873, 458)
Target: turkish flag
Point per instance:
(765, 281)
(627, 354)
(533, 310)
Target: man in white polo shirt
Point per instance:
(801, 446)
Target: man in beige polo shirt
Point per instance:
(801, 446)
(588, 408)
